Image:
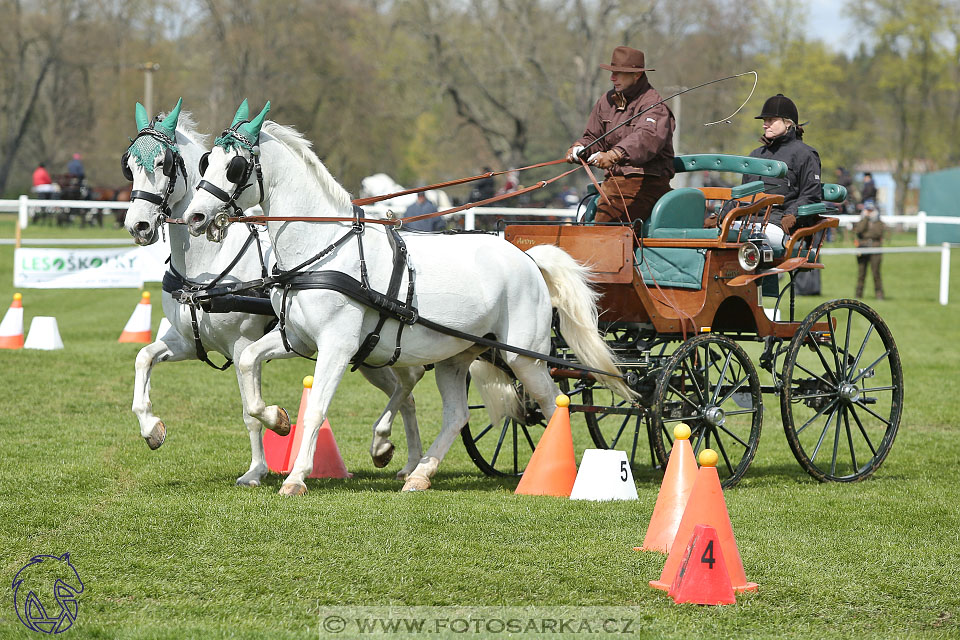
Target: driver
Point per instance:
(638, 157)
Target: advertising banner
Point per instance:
(88, 268)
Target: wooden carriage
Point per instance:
(682, 305)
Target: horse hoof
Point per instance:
(416, 483)
(382, 460)
(293, 489)
(157, 436)
(282, 427)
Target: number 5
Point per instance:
(623, 470)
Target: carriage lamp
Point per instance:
(748, 256)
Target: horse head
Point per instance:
(232, 178)
(43, 581)
(161, 163)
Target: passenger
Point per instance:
(637, 158)
(782, 141)
(420, 207)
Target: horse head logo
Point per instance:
(43, 581)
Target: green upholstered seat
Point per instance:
(734, 164)
(671, 266)
(683, 208)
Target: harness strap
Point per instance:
(201, 352)
(351, 287)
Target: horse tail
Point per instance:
(496, 388)
(576, 303)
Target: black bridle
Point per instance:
(239, 171)
(172, 165)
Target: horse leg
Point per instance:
(169, 348)
(258, 463)
(398, 384)
(536, 381)
(269, 347)
(331, 365)
(451, 377)
(409, 377)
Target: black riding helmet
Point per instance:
(779, 106)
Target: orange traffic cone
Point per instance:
(552, 469)
(11, 329)
(677, 483)
(281, 451)
(703, 577)
(138, 326)
(706, 506)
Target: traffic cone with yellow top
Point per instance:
(137, 328)
(675, 490)
(281, 451)
(11, 328)
(552, 470)
(705, 506)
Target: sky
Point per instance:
(828, 21)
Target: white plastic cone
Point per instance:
(11, 329)
(44, 334)
(137, 328)
(604, 474)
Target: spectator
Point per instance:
(869, 190)
(420, 207)
(75, 167)
(42, 184)
(511, 184)
(484, 189)
(638, 158)
(868, 232)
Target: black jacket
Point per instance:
(802, 183)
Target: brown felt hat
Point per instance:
(626, 60)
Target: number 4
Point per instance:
(707, 557)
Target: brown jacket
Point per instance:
(647, 141)
(869, 232)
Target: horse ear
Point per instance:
(143, 120)
(169, 124)
(252, 129)
(243, 113)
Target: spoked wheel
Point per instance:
(615, 423)
(711, 385)
(503, 449)
(842, 391)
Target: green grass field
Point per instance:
(168, 547)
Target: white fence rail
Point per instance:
(24, 204)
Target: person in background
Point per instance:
(637, 158)
(42, 184)
(868, 232)
(75, 167)
(420, 207)
(869, 190)
(484, 189)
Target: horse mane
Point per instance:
(295, 142)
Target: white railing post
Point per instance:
(944, 273)
(921, 228)
(24, 211)
(469, 220)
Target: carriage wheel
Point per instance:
(503, 449)
(614, 423)
(842, 392)
(710, 384)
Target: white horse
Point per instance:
(477, 284)
(381, 184)
(163, 180)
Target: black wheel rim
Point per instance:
(842, 392)
(711, 385)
